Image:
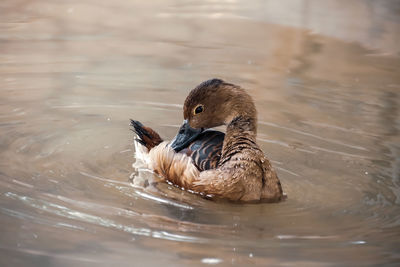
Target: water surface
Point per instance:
(325, 79)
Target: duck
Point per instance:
(211, 163)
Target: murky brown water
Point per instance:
(325, 78)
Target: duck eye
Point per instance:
(198, 109)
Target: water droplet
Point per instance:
(358, 242)
(211, 260)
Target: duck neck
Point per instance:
(241, 121)
(242, 124)
(240, 133)
(242, 112)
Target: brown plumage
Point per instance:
(230, 166)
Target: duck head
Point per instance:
(210, 104)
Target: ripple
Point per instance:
(103, 179)
(309, 237)
(164, 201)
(285, 170)
(64, 211)
(328, 140)
(119, 105)
(22, 183)
(347, 130)
(340, 153)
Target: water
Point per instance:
(325, 78)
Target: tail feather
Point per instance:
(145, 135)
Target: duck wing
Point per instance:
(206, 149)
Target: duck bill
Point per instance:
(185, 136)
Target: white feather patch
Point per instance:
(140, 177)
(141, 156)
(169, 164)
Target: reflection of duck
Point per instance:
(230, 165)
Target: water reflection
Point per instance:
(73, 73)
